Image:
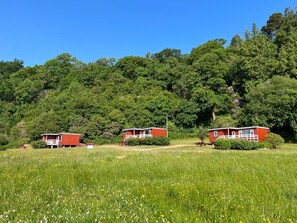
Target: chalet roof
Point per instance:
(132, 129)
(238, 128)
(50, 134)
(57, 134)
(155, 128)
(141, 129)
(68, 133)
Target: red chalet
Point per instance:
(61, 139)
(143, 133)
(252, 133)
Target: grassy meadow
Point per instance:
(181, 183)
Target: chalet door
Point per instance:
(240, 134)
(252, 132)
(233, 135)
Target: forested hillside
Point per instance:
(252, 81)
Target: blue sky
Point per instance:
(36, 31)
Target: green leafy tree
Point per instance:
(56, 69)
(6, 90)
(210, 103)
(287, 57)
(9, 67)
(273, 25)
(186, 114)
(167, 53)
(200, 51)
(236, 41)
(27, 91)
(132, 66)
(44, 123)
(273, 103)
(256, 61)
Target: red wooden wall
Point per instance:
(159, 132)
(69, 139)
(261, 132)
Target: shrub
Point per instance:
(275, 140)
(248, 145)
(222, 144)
(243, 145)
(3, 140)
(132, 142)
(39, 144)
(262, 145)
(158, 141)
(236, 144)
(12, 145)
(202, 133)
(161, 141)
(148, 141)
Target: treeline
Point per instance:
(252, 81)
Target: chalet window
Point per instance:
(248, 132)
(215, 133)
(60, 137)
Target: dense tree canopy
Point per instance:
(273, 103)
(250, 82)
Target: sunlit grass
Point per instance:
(184, 141)
(184, 184)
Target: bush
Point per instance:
(243, 145)
(39, 144)
(222, 144)
(236, 144)
(147, 141)
(161, 141)
(275, 140)
(132, 142)
(158, 141)
(3, 140)
(248, 145)
(264, 145)
(12, 145)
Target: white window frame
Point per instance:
(215, 134)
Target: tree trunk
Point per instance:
(213, 115)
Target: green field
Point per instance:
(181, 183)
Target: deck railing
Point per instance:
(248, 137)
(52, 142)
(138, 136)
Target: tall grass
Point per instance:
(111, 185)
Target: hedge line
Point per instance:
(158, 141)
(272, 141)
(225, 144)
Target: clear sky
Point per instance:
(36, 31)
